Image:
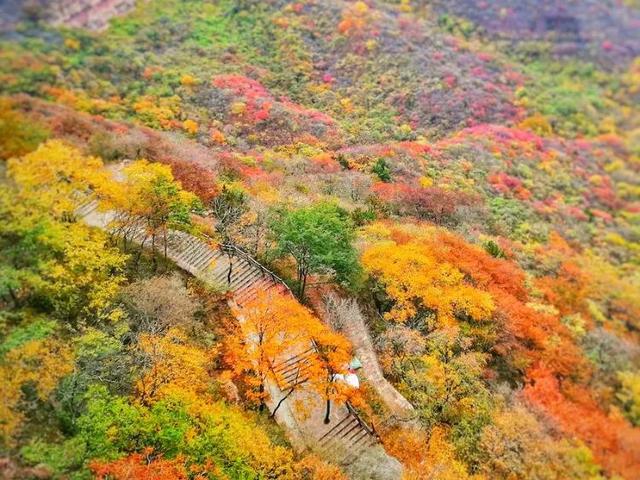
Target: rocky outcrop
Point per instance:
(91, 14)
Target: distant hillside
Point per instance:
(91, 14)
(607, 31)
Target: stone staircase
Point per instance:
(87, 207)
(224, 266)
(292, 371)
(245, 277)
(346, 437)
(346, 440)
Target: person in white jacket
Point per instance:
(350, 378)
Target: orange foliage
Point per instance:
(542, 331)
(274, 327)
(217, 136)
(568, 289)
(141, 466)
(615, 444)
(190, 126)
(313, 468)
(539, 336)
(488, 272)
(354, 18)
(570, 285)
(528, 335)
(425, 456)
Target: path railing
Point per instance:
(232, 250)
(239, 252)
(363, 424)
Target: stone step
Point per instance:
(356, 449)
(297, 375)
(204, 262)
(363, 438)
(292, 360)
(176, 245)
(336, 445)
(336, 430)
(218, 271)
(243, 275)
(257, 280)
(246, 295)
(252, 283)
(221, 276)
(292, 368)
(222, 269)
(86, 208)
(187, 248)
(358, 432)
(197, 255)
(263, 283)
(138, 235)
(347, 445)
(195, 260)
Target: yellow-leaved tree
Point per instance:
(416, 281)
(58, 176)
(49, 262)
(175, 366)
(151, 201)
(39, 363)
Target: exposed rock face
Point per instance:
(91, 14)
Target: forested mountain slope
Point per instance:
(460, 178)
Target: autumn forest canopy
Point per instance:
(316, 240)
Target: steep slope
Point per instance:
(346, 440)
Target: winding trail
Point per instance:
(347, 440)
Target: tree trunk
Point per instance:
(304, 285)
(302, 280)
(230, 271)
(140, 252)
(165, 243)
(280, 402)
(295, 384)
(153, 252)
(327, 416)
(262, 404)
